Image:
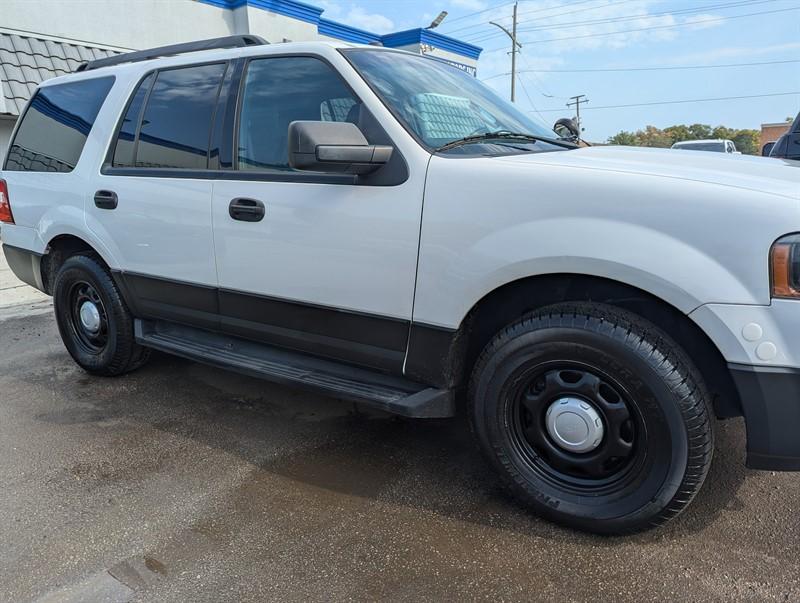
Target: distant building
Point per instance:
(40, 39)
(772, 132)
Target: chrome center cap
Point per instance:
(90, 317)
(574, 425)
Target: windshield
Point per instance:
(438, 102)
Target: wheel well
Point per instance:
(507, 303)
(58, 250)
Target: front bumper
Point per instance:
(761, 345)
(770, 399)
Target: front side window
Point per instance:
(174, 128)
(439, 103)
(278, 91)
(54, 129)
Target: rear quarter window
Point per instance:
(55, 126)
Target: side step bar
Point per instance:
(385, 392)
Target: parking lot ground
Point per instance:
(185, 483)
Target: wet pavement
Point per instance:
(185, 483)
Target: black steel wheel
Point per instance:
(593, 416)
(88, 318)
(95, 324)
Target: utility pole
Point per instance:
(514, 46)
(576, 102)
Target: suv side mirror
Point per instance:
(334, 147)
(567, 129)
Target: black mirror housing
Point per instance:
(567, 129)
(334, 147)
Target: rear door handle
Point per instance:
(106, 199)
(246, 210)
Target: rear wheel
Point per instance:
(95, 324)
(594, 417)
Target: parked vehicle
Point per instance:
(717, 145)
(380, 226)
(788, 145)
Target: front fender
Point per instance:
(490, 221)
(572, 245)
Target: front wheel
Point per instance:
(95, 324)
(594, 417)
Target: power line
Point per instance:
(613, 33)
(539, 84)
(580, 10)
(620, 19)
(530, 100)
(450, 32)
(625, 69)
(676, 102)
(478, 12)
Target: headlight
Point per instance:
(785, 267)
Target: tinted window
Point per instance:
(55, 126)
(124, 149)
(177, 119)
(282, 90)
(702, 146)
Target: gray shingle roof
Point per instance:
(26, 61)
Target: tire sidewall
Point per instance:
(82, 268)
(657, 402)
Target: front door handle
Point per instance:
(106, 199)
(246, 210)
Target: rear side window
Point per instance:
(168, 121)
(55, 126)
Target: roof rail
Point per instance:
(165, 51)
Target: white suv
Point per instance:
(380, 226)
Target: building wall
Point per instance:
(139, 24)
(119, 23)
(6, 127)
(772, 132)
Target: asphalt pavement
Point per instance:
(184, 483)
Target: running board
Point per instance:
(385, 392)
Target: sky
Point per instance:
(560, 37)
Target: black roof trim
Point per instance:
(173, 49)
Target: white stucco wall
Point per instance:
(139, 24)
(134, 24)
(275, 28)
(6, 127)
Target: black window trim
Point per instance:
(230, 134)
(18, 123)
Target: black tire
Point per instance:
(110, 349)
(647, 467)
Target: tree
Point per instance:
(627, 139)
(746, 141)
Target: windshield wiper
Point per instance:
(498, 135)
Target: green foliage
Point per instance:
(746, 141)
